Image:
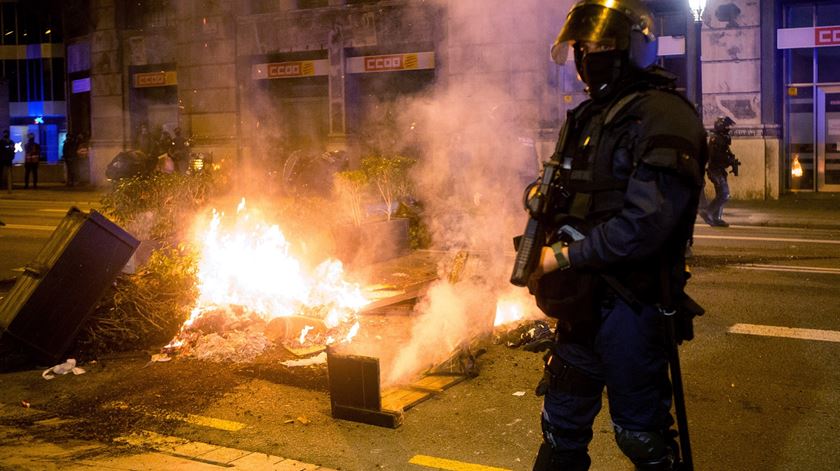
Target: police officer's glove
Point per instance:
(537, 346)
(542, 386)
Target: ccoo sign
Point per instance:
(827, 36)
(383, 63)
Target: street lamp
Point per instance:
(693, 65)
(697, 7)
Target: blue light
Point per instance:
(39, 120)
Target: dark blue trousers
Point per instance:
(629, 356)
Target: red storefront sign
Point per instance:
(383, 63)
(827, 36)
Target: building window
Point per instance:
(828, 60)
(800, 65)
(672, 23)
(799, 16)
(9, 33)
(10, 72)
(828, 14)
(800, 138)
(58, 79)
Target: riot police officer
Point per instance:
(720, 159)
(631, 160)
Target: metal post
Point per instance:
(693, 62)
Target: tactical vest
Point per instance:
(599, 153)
(719, 151)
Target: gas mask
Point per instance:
(600, 70)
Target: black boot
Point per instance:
(706, 217)
(719, 222)
(549, 459)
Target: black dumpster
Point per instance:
(58, 290)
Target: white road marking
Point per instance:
(770, 239)
(789, 268)
(786, 332)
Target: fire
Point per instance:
(247, 268)
(796, 167)
(514, 306)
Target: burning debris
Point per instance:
(253, 292)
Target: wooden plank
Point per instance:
(402, 399)
(408, 293)
(305, 351)
(390, 419)
(437, 383)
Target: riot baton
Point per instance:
(679, 393)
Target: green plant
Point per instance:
(145, 308)
(351, 186)
(157, 207)
(390, 176)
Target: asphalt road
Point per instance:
(761, 377)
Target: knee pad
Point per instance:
(549, 459)
(647, 450)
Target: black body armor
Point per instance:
(610, 142)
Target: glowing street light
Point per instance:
(697, 7)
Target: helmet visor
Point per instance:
(593, 23)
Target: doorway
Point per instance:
(828, 138)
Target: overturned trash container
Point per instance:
(60, 287)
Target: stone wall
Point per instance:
(206, 58)
(731, 58)
(107, 100)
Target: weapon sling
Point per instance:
(669, 311)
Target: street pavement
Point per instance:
(792, 210)
(815, 211)
(58, 192)
(761, 378)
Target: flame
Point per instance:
(508, 311)
(514, 306)
(249, 264)
(796, 167)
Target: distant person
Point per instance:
(70, 154)
(144, 141)
(164, 143)
(180, 151)
(720, 159)
(31, 160)
(7, 157)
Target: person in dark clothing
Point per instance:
(144, 141)
(630, 160)
(7, 157)
(32, 159)
(69, 153)
(720, 159)
(180, 151)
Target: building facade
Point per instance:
(32, 90)
(250, 79)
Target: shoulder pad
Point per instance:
(670, 134)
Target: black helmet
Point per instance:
(627, 22)
(723, 123)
